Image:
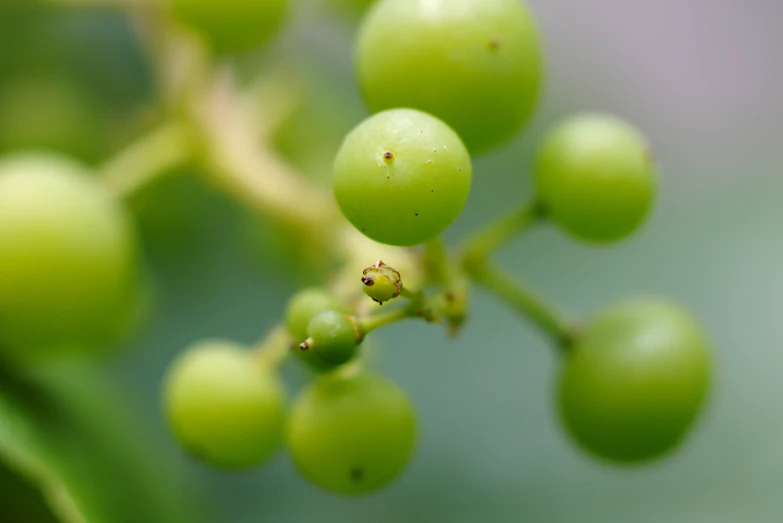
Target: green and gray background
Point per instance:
(703, 79)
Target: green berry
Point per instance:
(68, 258)
(223, 407)
(595, 178)
(332, 337)
(305, 305)
(635, 381)
(402, 177)
(381, 282)
(475, 64)
(351, 433)
(301, 309)
(232, 25)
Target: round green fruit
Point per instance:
(635, 380)
(332, 337)
(305, 305)
(223, 406)
(402, 177)
(476, 64)
(300, 311)
(351, 433)
(68, 259)
(232, 25)
(594, 177)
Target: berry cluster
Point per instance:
(445, 79)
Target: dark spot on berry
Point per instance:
(494, 44)
(368, 281)
(388, 155)
(356, 474)
(304, 345)
(434, 150)
(429, 161)
(364, 230)
(415, 214)
(432, 190)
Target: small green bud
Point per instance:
(381, 282)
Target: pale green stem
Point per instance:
(368, 324)
(523, 300)
(142, 162)
(481, 245)
(476, 260)
(275, 346)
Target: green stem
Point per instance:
(143, 162)
(254, 174)
(274, 347)
(443, 270)
(409, 294)
(367, 324)
(481, 245)
(525, 301)
(436, 261)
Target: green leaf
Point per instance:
(72, 452)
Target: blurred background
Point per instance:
(704, 81)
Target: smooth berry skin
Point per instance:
(636, 380)
(401, 177)
(595, 178)
(223, 407)
(476, 64)
(332, 338)
(68, 259)
(230, 26)
(351, 433)
(305, 305)
(302, 307)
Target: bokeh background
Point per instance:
(703, 79)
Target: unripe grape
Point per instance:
(224, 407)
(301, 309)
(381, 282)
(635, 381)
(351, 433)
(595, 178)
(232, 25)
(475, 64)
(402, 176)
(305, 305)
(332, 337)
(67, 259)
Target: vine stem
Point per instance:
(274, 347)
(522, 299)
(441, 269)
(409, 294)
(481, 245)
(367, 324)
(252, 173)
(476, 256)
(148, 159)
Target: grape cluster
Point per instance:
(445, 79)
